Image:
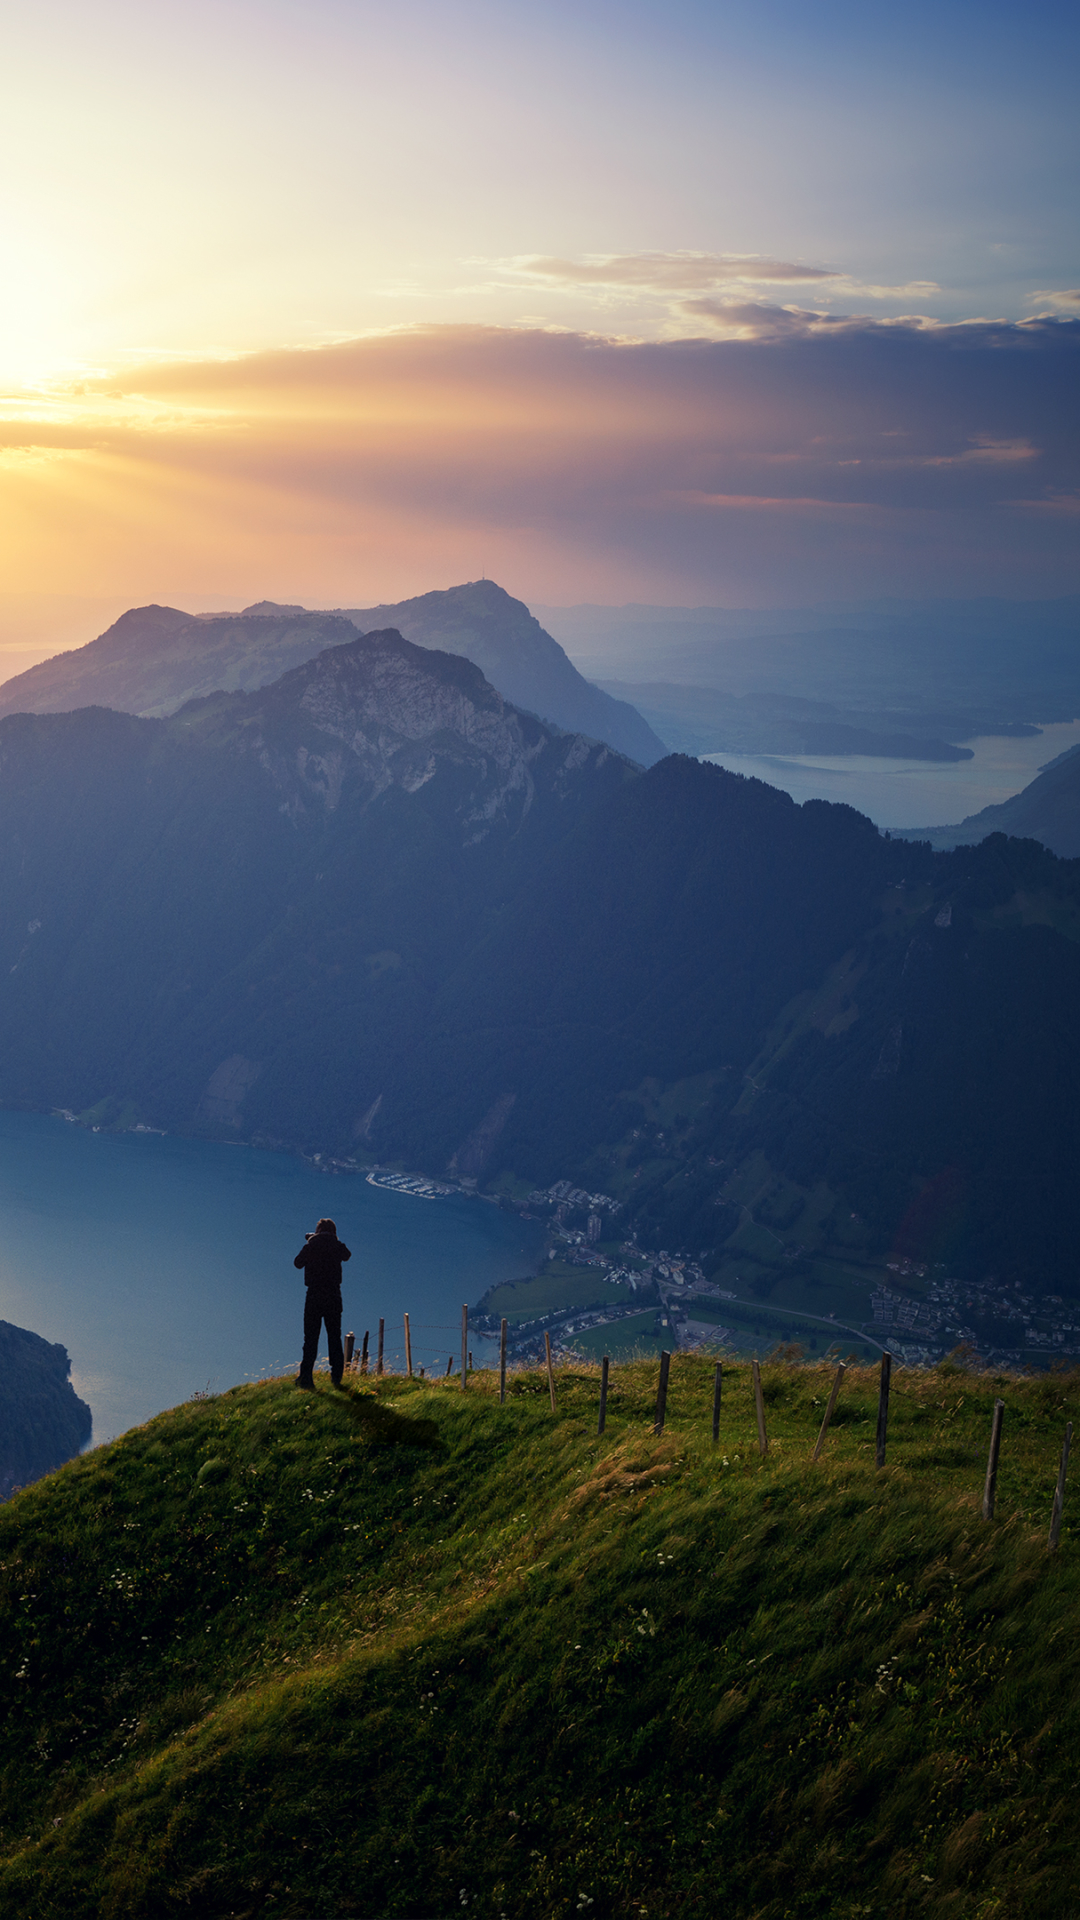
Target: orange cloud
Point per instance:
(813, 463)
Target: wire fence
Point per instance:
(359, 1359)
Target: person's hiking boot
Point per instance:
(308, 1383)
(335, 1379)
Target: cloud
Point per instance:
(1064, 300)
(816, 457)
(671, 272)
(752, 319)
(675, 273)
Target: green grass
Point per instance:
(405, 1652)
(625, 1339)
(557, 1288)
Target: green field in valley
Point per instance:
(557, 1287)
(624, 1339)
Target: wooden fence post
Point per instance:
(759, 1404)
(350, 1342)
(661, 1393)
(1059, 1490)
(379, 1364)
(604, 1364)
(502, 1364)
(718, 1387)
(363, 1353)
(408, 1348)
(833, 1397)
(990, 1488)
(464, 1348)
(449, 1367)
(551, 1370)
(883, 1407)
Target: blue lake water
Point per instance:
(165, 1265)
(912, 793)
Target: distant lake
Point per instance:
(911, 793)
(164, 1265)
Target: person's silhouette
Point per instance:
(320, 1258)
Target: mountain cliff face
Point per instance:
(154, 659)
(43, 1423)
(512, 649)
(378, 713)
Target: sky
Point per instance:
(736, 304)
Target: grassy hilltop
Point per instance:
(401, 1651)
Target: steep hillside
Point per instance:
(1048, 809)
(153, 659)
(405, 1651)
(501, 636)
(920, 1098)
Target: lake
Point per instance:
(164, 1265)
(912, 793)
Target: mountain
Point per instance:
(374, 909)
(244, 910)
(401, 1650)
(1047, 809)
(42, 1421)
(504, 640)
(153, 659)
(948, 668)
(705, 720)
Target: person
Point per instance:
(320, 1259)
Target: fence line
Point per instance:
(357, 1361)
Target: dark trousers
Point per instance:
(322, 1309)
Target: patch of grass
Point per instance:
(625, 1339)
(557, 1288)
(400, 1650)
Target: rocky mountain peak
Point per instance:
(378, 712)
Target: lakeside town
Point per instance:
(918, 1313)
(647, 1299)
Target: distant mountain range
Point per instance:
(374, 909)
(944, 669)
(153, 659)
(1047, 809)
(705, 720)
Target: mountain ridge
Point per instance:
(375, 909)
(398, 1648)
(153, 659)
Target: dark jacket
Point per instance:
(321, 1258)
